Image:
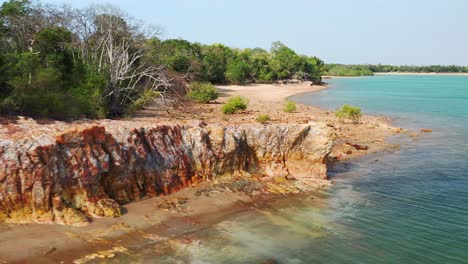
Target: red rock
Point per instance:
(90, 171)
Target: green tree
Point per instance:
(284, 60)
(215, 59)
(238, 71)
(261, 69)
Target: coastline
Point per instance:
(372, 133)
(400, 74)
(424, 73)
(148, 222)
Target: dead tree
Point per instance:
(116, 46)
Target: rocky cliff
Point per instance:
(71, 176)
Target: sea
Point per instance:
(404, 205)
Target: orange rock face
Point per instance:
(91, 172)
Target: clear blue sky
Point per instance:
(415, 32)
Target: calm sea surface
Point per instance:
(405, 206)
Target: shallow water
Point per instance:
(408, 206)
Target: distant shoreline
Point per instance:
(400, 73)
(423, 73)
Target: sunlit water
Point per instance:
(405, 206)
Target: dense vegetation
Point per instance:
(347, 70)
(97, 62)
(430, 68)
(220, 64)
(369, 70)
(64, 63)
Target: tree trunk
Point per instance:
(115, 107)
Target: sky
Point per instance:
(400, 32)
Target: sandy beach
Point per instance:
(269, 99)
(146, 221)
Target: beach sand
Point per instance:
(143, 221)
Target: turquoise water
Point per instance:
(418, 100)
(405, 206)
(412, 205)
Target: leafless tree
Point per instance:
(116, 45)
(107, 40)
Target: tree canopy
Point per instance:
(369, 69)
(96, 62)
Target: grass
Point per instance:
(290, 107)
(263, 119)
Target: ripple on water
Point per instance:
(408, 206)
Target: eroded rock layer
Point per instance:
(91, 172)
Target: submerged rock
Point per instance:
(70, 177)
(356, 146)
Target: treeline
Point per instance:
(421, 69)
(347, 70)
(369, 69)
(97, 62)
(221, 64)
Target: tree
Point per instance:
(215, 58)
(237, 71)
(116, 47)
(261, 70)
(22, 23)
(283, 61)
(177, 55)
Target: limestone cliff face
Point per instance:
(91, 172)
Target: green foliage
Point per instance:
(263, 118)
(233, 105)
(283, 61)
(220, 64)
(421, 69)
(215, 59)
(261, 70)
(178, 55)
(203, 92)
(368, 70)
(14, 7)
(146, 97)
(44, 97)
(348, 70)
(237, 72)
(289, 107)
(48, 69)
(349, 112)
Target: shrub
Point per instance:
(262, 119)
(350, 112)
(203, 92)
(144, 99)
(234, 104)
(289, 107)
